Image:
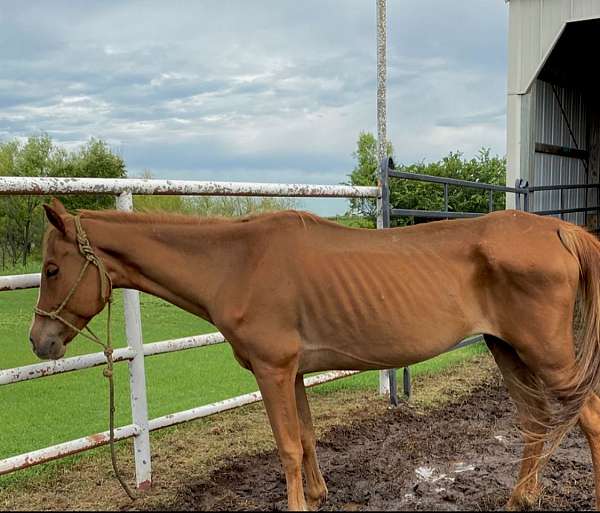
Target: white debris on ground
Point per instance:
(429, 475)
(463, 467)
(432, 475)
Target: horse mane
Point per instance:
(162, 217)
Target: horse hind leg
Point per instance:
(529, 408)
(590, 425)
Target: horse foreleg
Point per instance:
(515, 372)
(590, 425)
(277, 388)
(316, 489)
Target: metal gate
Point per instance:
(523, 194)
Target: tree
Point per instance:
(366, 172)
(410, 194)
(93, 160)
(21, 220)
(21, 226)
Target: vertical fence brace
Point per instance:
(446, 198)
(137, 374)
(522, 189)
(406, 383)
(393, 380)
(525, 187)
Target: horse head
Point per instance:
(71, 293)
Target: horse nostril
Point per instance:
(31, 340)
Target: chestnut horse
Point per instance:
(293, 294)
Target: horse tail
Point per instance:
(565, 401)
(585, 247)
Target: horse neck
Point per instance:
(184, 264)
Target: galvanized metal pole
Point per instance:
(137, 374)
(387, 379)
(384, 376)
(381, 79)
(384, 381)
(383, 222)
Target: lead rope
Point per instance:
(108, 373)
(106, 293)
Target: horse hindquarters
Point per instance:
(566, 373)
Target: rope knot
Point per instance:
(108, 352)
(107, 373)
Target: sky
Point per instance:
(265, 91)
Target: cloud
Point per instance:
(265, 91)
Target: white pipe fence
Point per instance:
(118, 186)
(136, 351)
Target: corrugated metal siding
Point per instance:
(533, 28)
(550, 127)
(584, 8)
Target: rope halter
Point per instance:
(106, 288)
(86, 250)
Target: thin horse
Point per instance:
(294, 293)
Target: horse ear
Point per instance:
(58, 206)
(55, 218)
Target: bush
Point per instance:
(409, 194)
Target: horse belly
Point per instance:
(371, 310)
(383, 332)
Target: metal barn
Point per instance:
(553, 115)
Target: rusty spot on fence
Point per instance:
(97, 439)
(144, 486)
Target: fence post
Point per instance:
(388, 383)
(525, 185)
(137, 374)
(522, 189)
(384, 382)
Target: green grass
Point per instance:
(62, 407)
(59, 408)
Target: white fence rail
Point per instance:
(136, 351)
(117, 186)
(20, 281)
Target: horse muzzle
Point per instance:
(48, 347)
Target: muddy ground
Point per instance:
(459, 457)
(453, 448)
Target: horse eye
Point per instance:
(51, 271)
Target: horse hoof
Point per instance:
(524, 502)
(315, 503)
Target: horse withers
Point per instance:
(293, 293)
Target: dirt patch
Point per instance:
(453, 448)
(459, 457)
